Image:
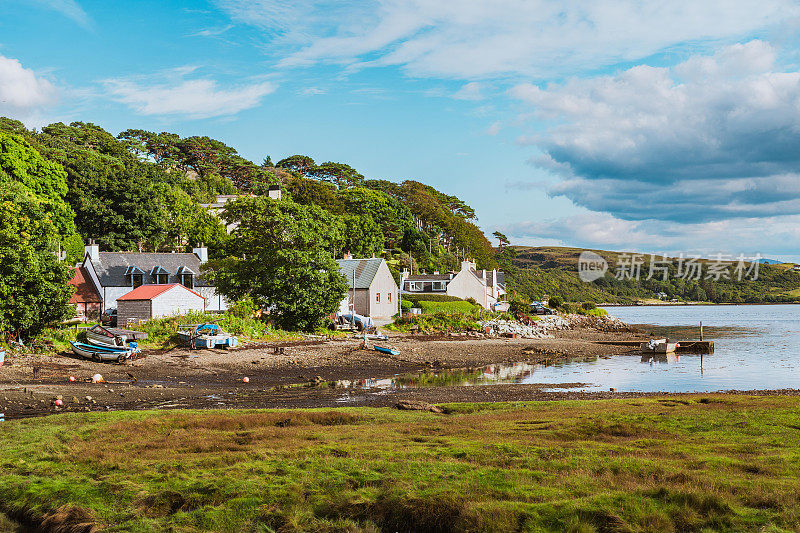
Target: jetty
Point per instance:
(683, 346)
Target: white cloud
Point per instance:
(470, 91)
(68, 8)
(23, 95)
(494, 128)
(195, 98)
(466, 39)
(748, 236)
(713, 137)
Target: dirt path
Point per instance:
(284, 374)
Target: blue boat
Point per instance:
(207, 335)
(388, 351)
(104, 353)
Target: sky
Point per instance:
(638, 125)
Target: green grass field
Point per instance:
(699, 463)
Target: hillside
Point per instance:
(536, 272)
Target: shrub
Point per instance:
(518, 306)
(416, 298)
(406, 305)
(556, 302)
(445, 307)
(588, 305)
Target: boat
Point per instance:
(100, 336)
(103, 353)
(207, 335)
(659, 346)
(388, 351)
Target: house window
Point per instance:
(161, 279)
(414, 286)
(377, 297)
(187, 281)
(438, 286)
(389, 297)
(137, 280)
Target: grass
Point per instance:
(689, 463)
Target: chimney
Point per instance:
(348, 255)
(435, 272)
(467, 265)
(495, 290)
(92, 250)
(201, 252)
(483, 276)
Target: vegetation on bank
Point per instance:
(538, 272)
(680, 463)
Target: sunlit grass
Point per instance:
(689, 463)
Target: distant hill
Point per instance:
(766, 261)
(536, 272)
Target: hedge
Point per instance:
(416, 298)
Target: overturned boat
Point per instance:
(100, 336)
(207, 335)
(101, 354)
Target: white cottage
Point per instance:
(156, 301)
(114, 274)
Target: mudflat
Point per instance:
(288, 374)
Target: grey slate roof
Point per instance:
(428, 277)
(112, 266)
(365, 271)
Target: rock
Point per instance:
(415, 405)
(88, 398)
(97, 378)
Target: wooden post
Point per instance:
(701, 330)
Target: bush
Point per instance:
(445, 307)
(406, 306)
(556, 302)
(588, 305)
(518, 306)
(416, 298)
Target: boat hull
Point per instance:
(388, 351)
(100, 336)
(102, 353)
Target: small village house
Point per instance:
(156, 301)
(486, 287)
(87, 301)
(372, 289)
(113, 274)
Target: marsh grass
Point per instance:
(694, 463)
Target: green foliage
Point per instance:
(279, 255)
(416, 298)
(445, 307)
(518, 306)
(555, 302)
(588, 305)
(34, 289)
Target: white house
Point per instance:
(484, 286)
(371, 288)
(114, 274)
(156, 301)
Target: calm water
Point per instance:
(757, 347)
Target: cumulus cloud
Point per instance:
(173, 94)
(710, 138)
(23, 94)
(466, 39)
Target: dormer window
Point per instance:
(159, 275)
(186, 277)
(134, 276)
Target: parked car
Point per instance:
(109, 317)
(542, 310)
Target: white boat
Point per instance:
(103, 353)
(207, 335)
(659, 346)
(100, 336)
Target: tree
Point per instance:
(298, 163)
(501, 238)
(340, 174)
(279, 255)
(20, 163)
(34, 284)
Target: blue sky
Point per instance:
(613, 124)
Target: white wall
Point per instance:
(176, 301)
(466, 285)
(214, 301)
